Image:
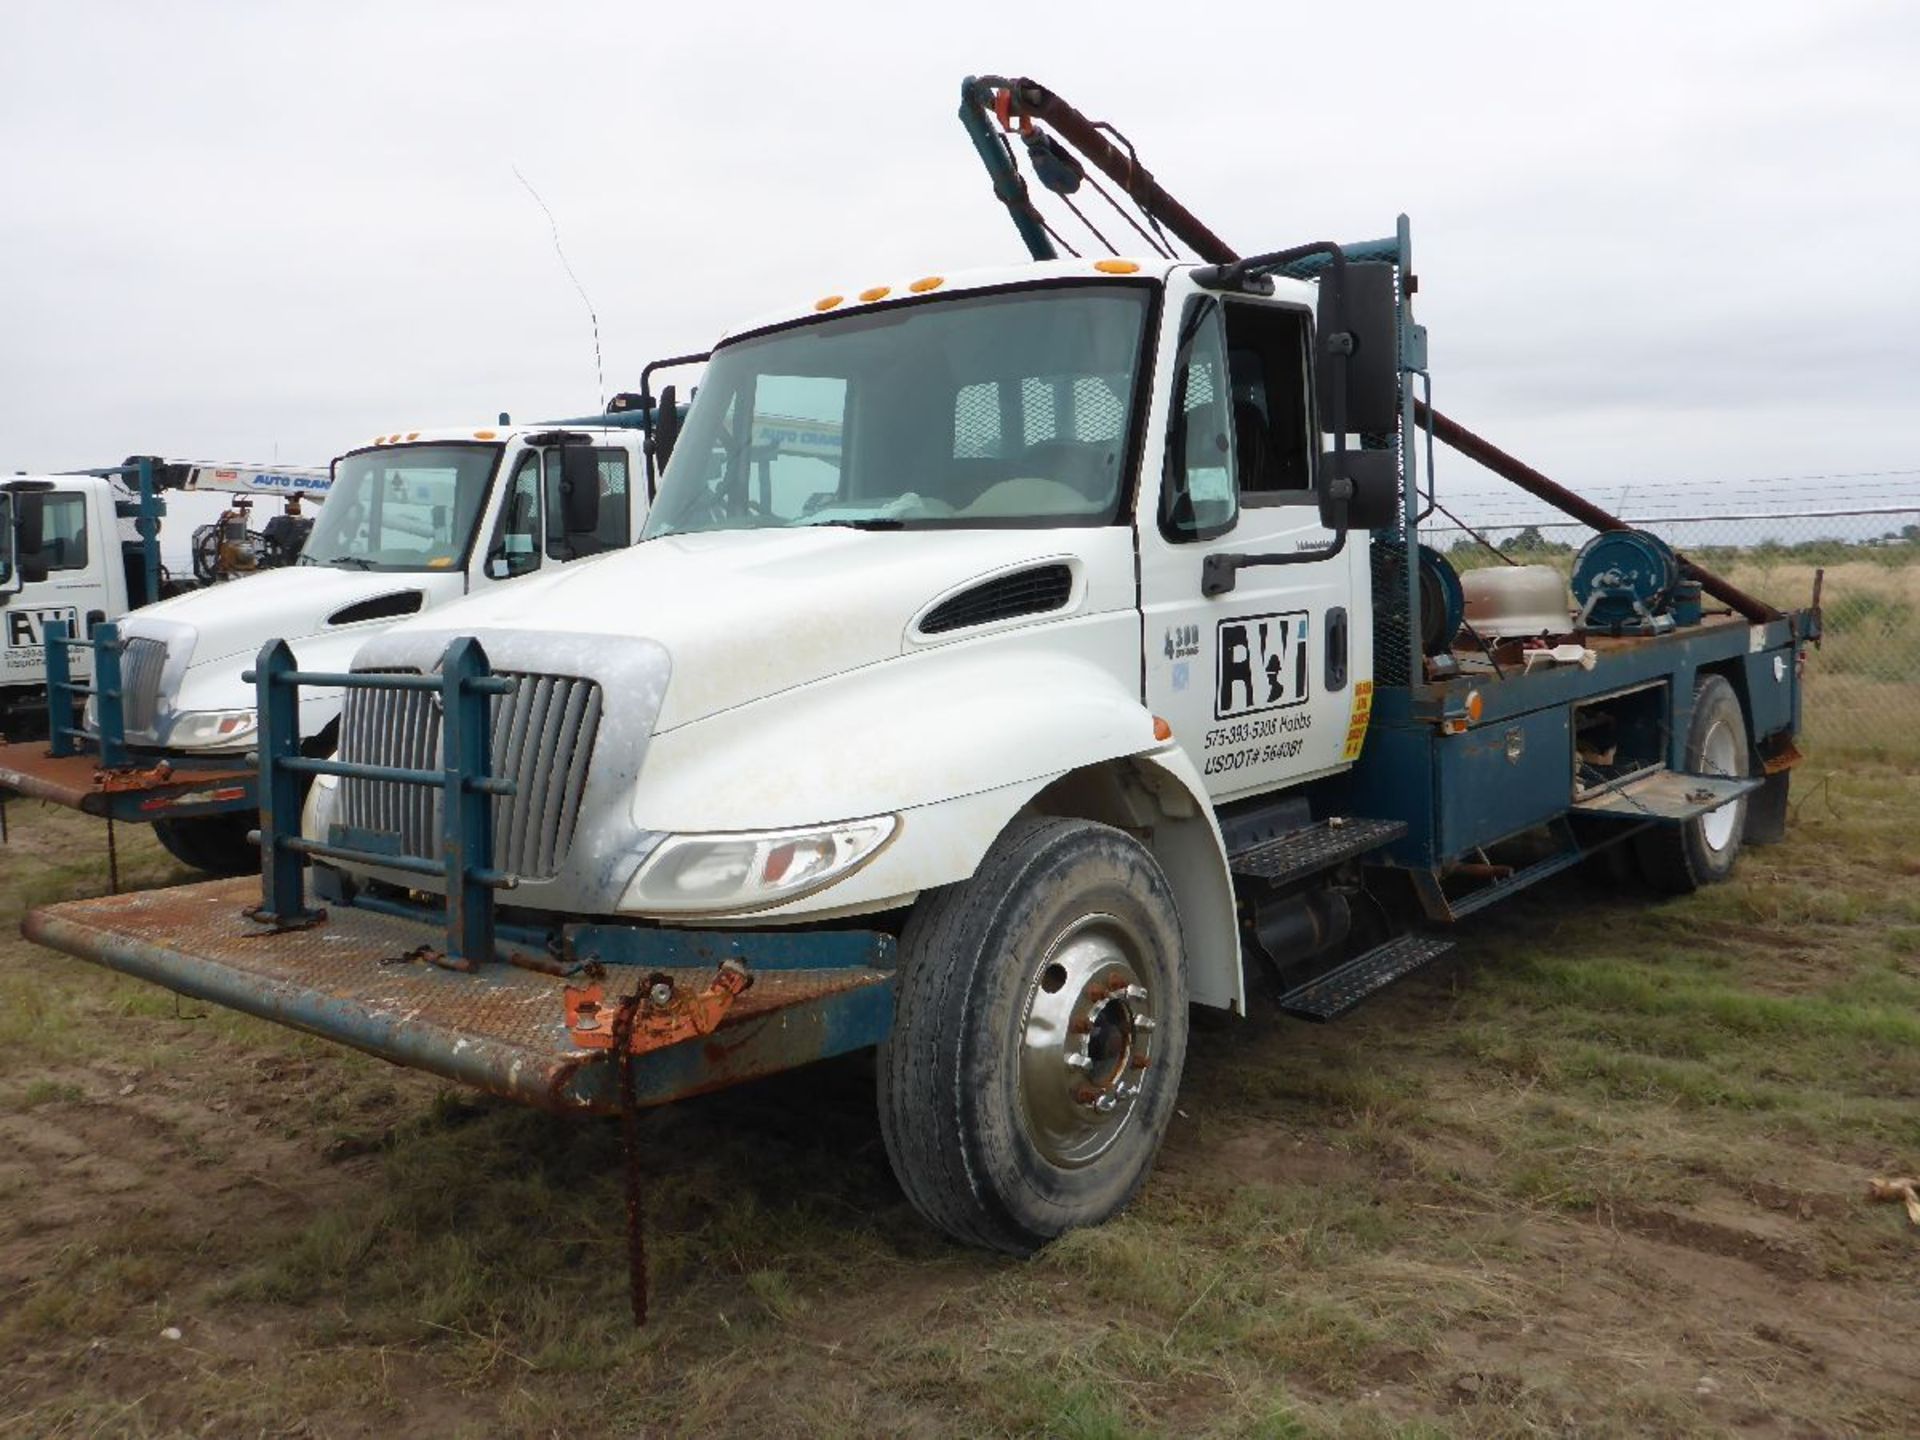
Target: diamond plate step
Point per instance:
(1318, 847)
(1329, 996)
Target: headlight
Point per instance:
(717, 873)
(213, 729)
(323, 798)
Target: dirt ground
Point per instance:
(1601, 1173)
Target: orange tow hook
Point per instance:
(663, 1016)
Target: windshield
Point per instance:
(1011, 408)
(402, 507)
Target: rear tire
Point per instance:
(1679, 859)
(1041, 1028)
(217, 844)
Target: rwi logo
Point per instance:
(1260, 664)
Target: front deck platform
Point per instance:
(503, 1029)
(154, 793)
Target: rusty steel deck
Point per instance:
(502, 1029)
(158, 792)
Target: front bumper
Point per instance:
(155, 788)
(359, 978)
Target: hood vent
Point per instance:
(1025, 592)
(380, 607)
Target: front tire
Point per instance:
(217, 844)
(1039, 1037)
(1679, 859)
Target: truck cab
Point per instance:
(413, 521)
(64, 532)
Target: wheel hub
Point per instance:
(1086, 1042)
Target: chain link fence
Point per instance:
(1863, 684)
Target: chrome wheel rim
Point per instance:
(1719, 755)
(1086, 1039)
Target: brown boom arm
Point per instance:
(1030, 99)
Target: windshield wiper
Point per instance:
(349, 560)
(863, 522)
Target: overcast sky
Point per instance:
(1666, 248)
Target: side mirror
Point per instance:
(1372, 489)
(579, 489)
(498, 566)
(8, 580)
(33, 524)
(666, 426)
(1367, 312)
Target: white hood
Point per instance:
(744, 614)
(236, 618)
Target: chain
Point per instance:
(623, 1022)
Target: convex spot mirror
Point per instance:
(579, 489)
(1368, 311)
(1374, 476)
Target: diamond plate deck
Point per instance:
(1329, 996)
(501, 1029)
(1316, 848)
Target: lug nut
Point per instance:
(1136, 992)
(1105, 1103)
(1077, 1061)
(1145, 1022)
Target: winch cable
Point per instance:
(623, 1023)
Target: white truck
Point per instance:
(85, 548)
(1011, 661)
(413, 520)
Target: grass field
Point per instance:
(1601, 1173)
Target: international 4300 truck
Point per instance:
(1090, 667)
(414, 520)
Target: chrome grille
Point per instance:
(542, 739)
(142, 663)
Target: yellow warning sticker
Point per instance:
(1357, 720)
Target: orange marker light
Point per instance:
(1475, 706)
(827, 302)
(483, 434)
(926, 283)
(1161, 730)
(413, 435)
(1116, 267)
(878, 292)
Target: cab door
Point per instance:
(62, 550)
(1258, 683)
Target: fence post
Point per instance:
(282, 883)
(59, 689)
(467, 812)
(109, 702)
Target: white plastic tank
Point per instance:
(1507, 602)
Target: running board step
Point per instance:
(1318, 847)
(1329, 996)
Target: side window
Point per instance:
(610, 525)
(1268, 362)
(615, 527)
(517, 535)
(63, 534)
(1197, 495)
